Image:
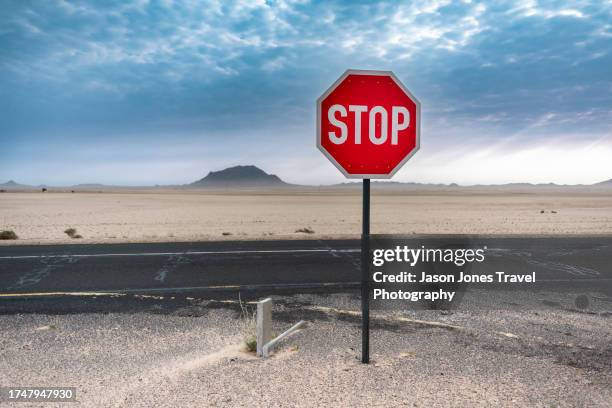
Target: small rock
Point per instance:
(48, 327)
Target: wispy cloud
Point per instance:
(486, 72)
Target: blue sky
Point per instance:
(164, 91)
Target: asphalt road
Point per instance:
(292, 266)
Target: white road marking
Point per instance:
(237, 252)
(35, 294)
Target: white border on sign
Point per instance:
(418, 119)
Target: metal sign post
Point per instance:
(368, 126)
(365, 275)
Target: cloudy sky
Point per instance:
(165, 91)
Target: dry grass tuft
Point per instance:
(248, 327)
(72, 233)
(8, 234)
(250, 344)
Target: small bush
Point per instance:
(72, 233)
(251, 344)
(582, 302)
(306, 230)
(8, 234)
(226, 233)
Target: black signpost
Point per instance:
(369, 151)
(365, 275)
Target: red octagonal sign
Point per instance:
(368, 124)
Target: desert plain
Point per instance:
(186, 215)
(124, 349)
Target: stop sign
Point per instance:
(368, 124)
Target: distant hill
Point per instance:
(92, 185)
(11, 184)
(607, 183)
(240, 176)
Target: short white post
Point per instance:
(264, 324)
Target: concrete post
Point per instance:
(264, 324)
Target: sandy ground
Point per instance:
(170, 352)
(184, 216)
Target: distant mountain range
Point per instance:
(252, 177)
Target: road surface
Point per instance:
(294, 266)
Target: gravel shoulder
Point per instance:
(161, 351)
